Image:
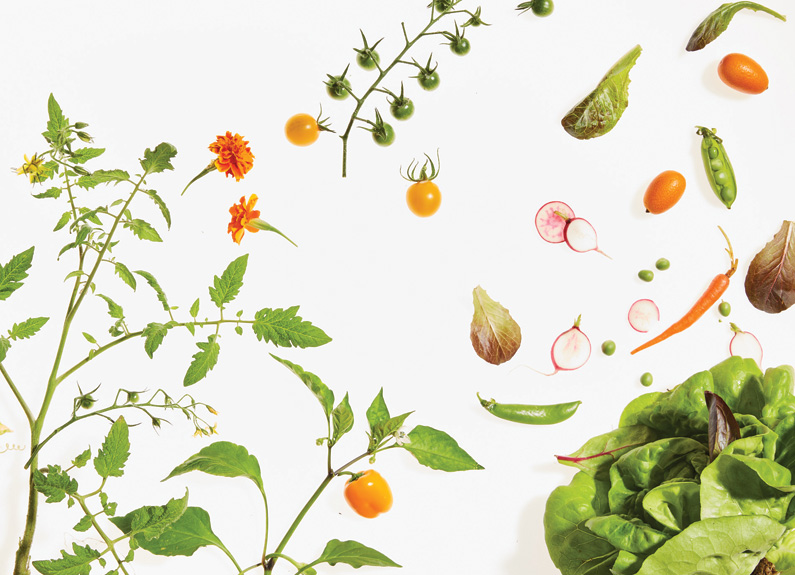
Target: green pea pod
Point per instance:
(531, 414)
(717, 166)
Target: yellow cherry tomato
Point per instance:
(423, 198)
(302, 130)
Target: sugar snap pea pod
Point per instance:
(531, 414)
(718, 167)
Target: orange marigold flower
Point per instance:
(242, 214)
(234, 155)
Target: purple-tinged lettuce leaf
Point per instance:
(495, 335)
(718, 21)
(770, 283)
(723, 427)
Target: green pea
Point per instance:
(530, 414)
(662, 264)
(717, 166)
(713, 152)
(646, 379)
(727, 194)
(646, 275)
(608, 347)
(725, 308)
(721, 178)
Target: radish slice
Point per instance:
(570, 350)
(643, 314)
(550, 225)
(745, 344)
(580, 236)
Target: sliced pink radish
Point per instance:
(745, 344)
(580, 236)
(570, 350)
(643, 314)
(551, 221)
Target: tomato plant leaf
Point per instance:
(108, 507)
(5, 345)
(54, 193)
(154, 334)
(82, 155)
(159, 159)
(150, 521)
(718, 21)
(143, 230)
(125, 274)
(115, 450)
(223, 459)
(495, 335)
(203, 361)
(343, 419)
(354, 554)
(161, 295)
(194, 309)
(65, 218)
(114, 309)
(57, 121)
(16, 270)
(68, 564)
(601, 110)
(82, 459)
(84, 524)
(182, 537)
(226, 287)
(437, 450)
(102, 177)
(284, 328)
(313, 382)
(160, 204)
(770, 282)
(55, 484)
(27, 328)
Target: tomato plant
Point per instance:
(458, 44)
(338, 87)
(385, 135)
(401, 107)
(367, 57)
(428, 79)
(368, 494)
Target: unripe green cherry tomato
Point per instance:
(402, 109)
(442, 5)
(609, 347)
(132, 397)
(428, 80)
(384, 137)
(336, 87)
(460, 46)
(369, 495)
(368, 61)
(87, 402)
(725, 308)
(542, 7)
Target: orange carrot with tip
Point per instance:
(716, 289)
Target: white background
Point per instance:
(393, 290)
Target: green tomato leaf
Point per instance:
(82, 155)
(354, 554)
(437, 450)
(89, 338)
(84, 524)
(55, 484)
(27, 328)
(284, 328)
(125, 274)
(102, 177)
(719, 546)
(16, 270)
(495, 336)
(108, 507)
(65, 218)
(57, 121)
(51, 193)
(718, 21)
(68, 564)
(342, 417)
(324, 395)
(5, 345)
(143, 230)
(194, 309)
(601, 110)
(226, 288)
(770, 282)
(154, 334)
(161, 295)
(203, 361)
(82, 459)
(115, 450)
(223, 459)
(114, 310)
(161, 205)
(159, 159)
(151, 521)
(184, 536)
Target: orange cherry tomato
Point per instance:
(423, 198)
(302, 130)
(369, 495)
(740, 72)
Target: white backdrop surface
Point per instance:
(393, 291)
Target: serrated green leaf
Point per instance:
(342, 417)
(223, 459)
(160, 204)
(102, 177)
(114, 309)
(161, 295)
(354, 554)
(82, 155)
(143, 230)
(194, 309)
(226, 287)
(238, 330)
(27, 328)
(183, 537)
(108, 507)
(16, 270)
(57, 122)
(82, 235)
(378, 411)
(437, 450)
(89, 338)
(55, 484)
(150, 521)
(5, 345)
(115, 450)
(65, 218)
(125, 274)
(284, 328)
(51, 193)
(84, 524)
(159, 159)
(324, 395)
(77, 564)
(91, 215)
(203, 361)
(154, 334)
(82, 459)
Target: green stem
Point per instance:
(108, 541)
(15, 391)
(267, 527)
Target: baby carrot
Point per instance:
(712, 294)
